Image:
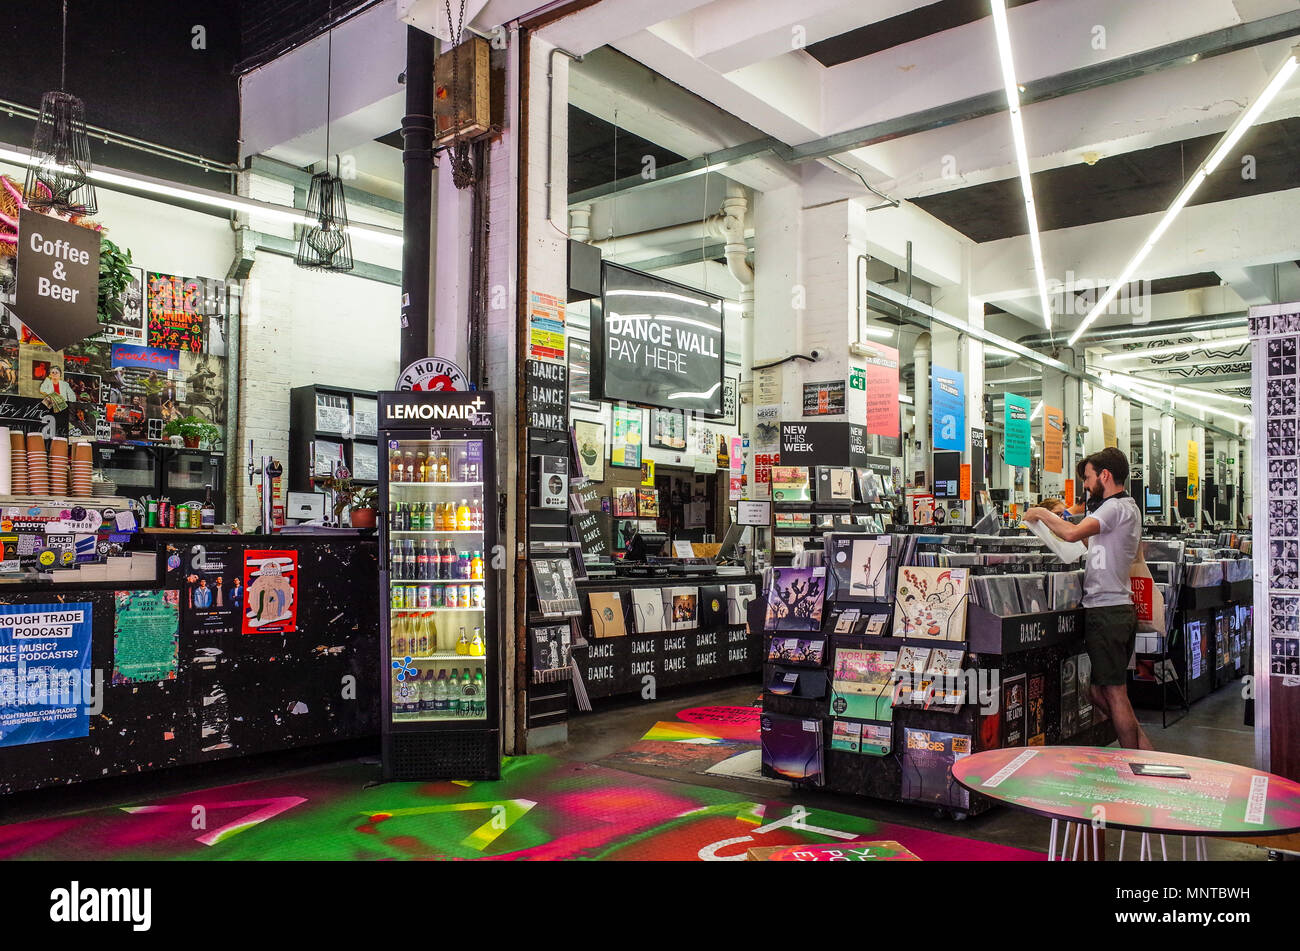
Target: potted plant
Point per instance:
(192, 430)
(364, 503)
(114, 278)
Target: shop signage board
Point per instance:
(857, 379)
(595, 532)
(657, 343)
(964, 488)
(977, 457)
(402, 409)
(947, 474)
(948, 408)
(1156, 483)
(57, 290)
(823, 444)
(1053, 439)
(882, 391)
(824, 399)
(144, 358)
(432, 373)
(1016, 423)
(547, 391)
(545, 327)
(55, 705)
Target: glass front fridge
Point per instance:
(441, 656)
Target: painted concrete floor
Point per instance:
(1212, 729)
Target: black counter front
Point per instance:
(304, 677)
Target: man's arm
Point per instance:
(1070, 531)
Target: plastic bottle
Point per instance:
(453, 694)
(480, 695)
(464, 519)
(440, 696)
(476, 566)
(463, 565)
(426, 693)
(467, 695)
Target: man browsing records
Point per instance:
(1112, 529)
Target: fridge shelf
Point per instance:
(435, 531)
(422, 610)
(423, 717)
(448, 655)
(425, 485)
(420, 581)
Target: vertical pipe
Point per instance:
(921, 405)
(417, 194)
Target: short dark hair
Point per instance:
(1078, 469)
(1111, 459)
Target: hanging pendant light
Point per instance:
(58, 176)
(324, 244)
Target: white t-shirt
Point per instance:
(1111, 552)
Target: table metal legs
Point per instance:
(1084, 834)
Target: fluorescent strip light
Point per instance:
(904, 398)
(1037, 410)
(1003, 33)
(1176, 348)
(880, 333)
(1208, 165)
(214, 199)
(1174, 396)
(1165, 389)
(1014, 379)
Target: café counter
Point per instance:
(163, 667)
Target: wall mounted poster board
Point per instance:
(36, 714)
(1017, 430)
(656, 343)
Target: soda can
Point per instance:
(451, 596)
(477, 596)
(424, 597)
(465, 596)
(398, 599)
(409, 596)
(182, 516)
(435, 597)
(152, 514)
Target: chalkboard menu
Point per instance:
(656, 343)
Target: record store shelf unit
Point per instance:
(1025, 668)
(824, 514)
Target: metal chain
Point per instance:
(462, 165)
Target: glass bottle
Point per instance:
(396, 471)
(476, 644)
(462, 645)
(408, 467)
(444, 466)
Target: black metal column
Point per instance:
(417, 195)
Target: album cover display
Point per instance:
(928, 758)
(792, 747)
(648, 610)
(713, 605)
(931, 603)
(682, 607)
(738, 598)
(910, 684)
(607, 614)
(795, 599)
(790, 484)
(947, 688)
(556, 591)
(1032, 593)
(861, 683)
(796, 650)
(647, 503)
(860, 568)
(625, 503)
(868, 486)
(834, 484)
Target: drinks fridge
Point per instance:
(441, 662)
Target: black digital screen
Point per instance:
(656, 343)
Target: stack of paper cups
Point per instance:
(18, 462)
(58, 465)
(38, 473)
(82, 466)
(6, 463)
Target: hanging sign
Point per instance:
(1017, 430)
(1053, 438)
(964, 488)
(433, 373)
(882, 392)
(1193, 469)
(57, 291)
(948, 408)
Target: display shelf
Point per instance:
(423, 610)
(446, 655)
(420, 581)
(435, 531)
(425, 485)
(423, 717)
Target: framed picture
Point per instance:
(668, 429)
(730, 391)
(580, 374)
(625, 445)
(589, 438)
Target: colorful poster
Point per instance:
(175, 318)
(1193, 469)
(882, 391)
(625, 441)
(1016, 421)
(213, 593)
(1108, 436)
(1053, 439)
(145, 636)
(948, 408)
(824, 399)
(270, 597)
(144, 358)
(545, 327)
(44, 672)
(931, 603)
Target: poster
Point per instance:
(175, 321)
(590, 441)
(948, 408)
(1108, 430)
(129, 325)
(1017, 430)
(768, 387)
(270, 597)
(667, 429)
(882, 392)
(145, 636)
(1053, 439)
(545, 327)
(212, 594)
(625, 441)
(1193, 469)
(44, 672)
(824, 399)
(767, 429)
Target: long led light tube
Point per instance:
(1174, 398)
(1211, 162)
(1165, 389)
(1003, 33)
(213, 199)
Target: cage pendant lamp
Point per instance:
(58, 174)
(325, 244)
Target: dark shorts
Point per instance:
(1110, 634)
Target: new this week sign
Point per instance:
(657, 343)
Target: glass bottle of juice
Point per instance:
(444, 466)
(396, 471)
(408, 466)
(421, 467)
(476, 644)
(399, 635)
(464, 518)
(432, 620)
(462, 645)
